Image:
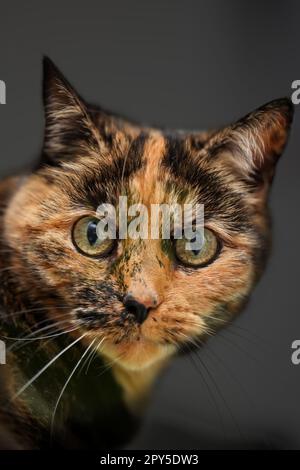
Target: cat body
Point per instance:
(90, 325)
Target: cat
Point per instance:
(89, 325)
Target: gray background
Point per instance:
(187, 64)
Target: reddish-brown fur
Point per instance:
(228, 170)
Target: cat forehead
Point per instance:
(143, 163)
(151, 168)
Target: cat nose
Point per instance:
(139, 308)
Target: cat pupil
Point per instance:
(195, 252)
(92, 232)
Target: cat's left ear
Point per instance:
(253, 144)
(69, 129)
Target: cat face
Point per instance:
(143, 299)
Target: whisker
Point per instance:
(46, 337)
(221, 396)
(8, 268)
(234, 378)
(256, 340)
(67, 382)
(36, 376)
(232, 325)
(109, 365)
(94, 355)
(217, 388)
(236, 346)
(210, 395)
(31, 335)
(90, 355)
(31, 310)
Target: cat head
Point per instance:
(143, 299)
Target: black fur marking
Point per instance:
(217, 198)
(106, 184)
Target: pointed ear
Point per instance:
(69, 129)
(253, 145)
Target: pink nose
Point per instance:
(139, 306)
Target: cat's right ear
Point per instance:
(69, 129)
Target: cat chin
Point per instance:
(137, 356)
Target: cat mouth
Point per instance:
(124, 340)
(133, 347)
(130, 337)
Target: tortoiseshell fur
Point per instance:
(91, 156)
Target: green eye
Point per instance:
(197, 258)
(86, 240)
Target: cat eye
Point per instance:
(86, 240)
(197, 258)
